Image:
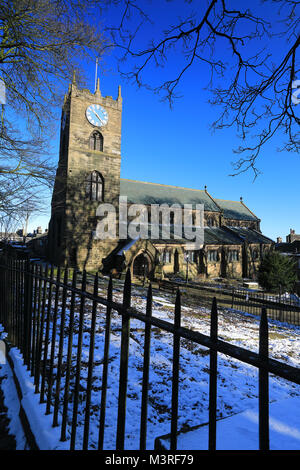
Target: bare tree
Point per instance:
(41, 43)
(19, 196)
(249, 79)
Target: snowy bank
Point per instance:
(240, 432)
(46, 436)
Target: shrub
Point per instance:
(277, 272)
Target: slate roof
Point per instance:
(235, 210)
(250, 235)
(293, 247)
(140, 192)
(219, 235)
(225, 236)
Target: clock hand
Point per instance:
(98, 117)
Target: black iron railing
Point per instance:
(43, 308)
(279, 308)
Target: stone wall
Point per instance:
(73, 220)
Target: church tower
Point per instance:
(88, 174)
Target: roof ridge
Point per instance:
(260, 233)
(161, 184)
(228, 200)
(242, 202)
(213, 199)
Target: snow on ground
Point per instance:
(239, 432)
(237, 382)
(11, 400)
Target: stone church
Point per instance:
(88, 174)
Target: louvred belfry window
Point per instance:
(96, 141)
(95, 186)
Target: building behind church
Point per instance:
(291, 248)
(88, 175)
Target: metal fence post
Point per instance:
(69, 360)
(175, 373)
(53, 341)
(124, 352)
(60, 347)
(143, 432)
(213, 356)
(105, 365)
(46, 341)
(78, 363)
(44, 279)
(28, 286)
(90, 368)
(264, 382)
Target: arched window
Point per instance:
(96, 141)
(95, 186)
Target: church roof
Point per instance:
(250, 235)
(219, 235)
(235, 210)
(233, 236)
(212, 236)
(140, 192)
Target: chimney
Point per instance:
(279, 240)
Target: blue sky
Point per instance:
(175, 146)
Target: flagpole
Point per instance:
(96, 73)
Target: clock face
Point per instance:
(96, 115)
